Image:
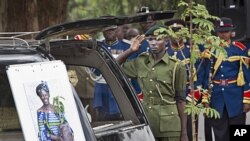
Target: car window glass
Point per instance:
(95, 94)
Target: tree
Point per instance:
(199, 33)
(31, 15)
(78, 9)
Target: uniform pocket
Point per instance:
(169, 119)
(165, 86)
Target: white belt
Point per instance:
(101, 80)
(97, 79)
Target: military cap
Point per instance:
(224, 24)
(145, 10)
(109, 27)
(152, 30)
(175, 24)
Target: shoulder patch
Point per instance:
(126, 41)
(239, 45)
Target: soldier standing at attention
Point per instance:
(230, 92)
(180, 49)
(163, 83)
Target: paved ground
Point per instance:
(201, 126)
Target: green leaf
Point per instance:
(188, 111)
(58, 104)
(211, 113)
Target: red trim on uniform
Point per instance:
(77, 37)
(247, 94)
(227, 25)
(197, 95)
(140, 96)
(239, 45)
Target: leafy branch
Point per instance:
(197, 109)
(58, 105)
(199, 33)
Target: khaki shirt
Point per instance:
(163, 117)
(150, 73)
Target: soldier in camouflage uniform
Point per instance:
(163, 83)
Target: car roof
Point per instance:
(14, 50)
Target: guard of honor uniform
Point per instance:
(103, 97)
(230, 85)
(182, 53)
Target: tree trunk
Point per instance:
(194, 134)
(20, 16)
(31, 15)
(3, 15)
(51, 12)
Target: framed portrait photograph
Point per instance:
(44, 101)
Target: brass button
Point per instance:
(153, 69)
(151, 80)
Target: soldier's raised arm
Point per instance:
(135, 45)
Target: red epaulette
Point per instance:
(239, 45)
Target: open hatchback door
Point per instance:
(83, 58)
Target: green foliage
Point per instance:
(196, 110)
(58, 105)
(199, 32)
(212, 113)
(192, 109)
(78, 9)
(202, 29)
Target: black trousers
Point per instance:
(207, 129)
(221, 126)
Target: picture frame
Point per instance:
(27, 81)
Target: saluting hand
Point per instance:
(136, 42)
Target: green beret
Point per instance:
(152, 30)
